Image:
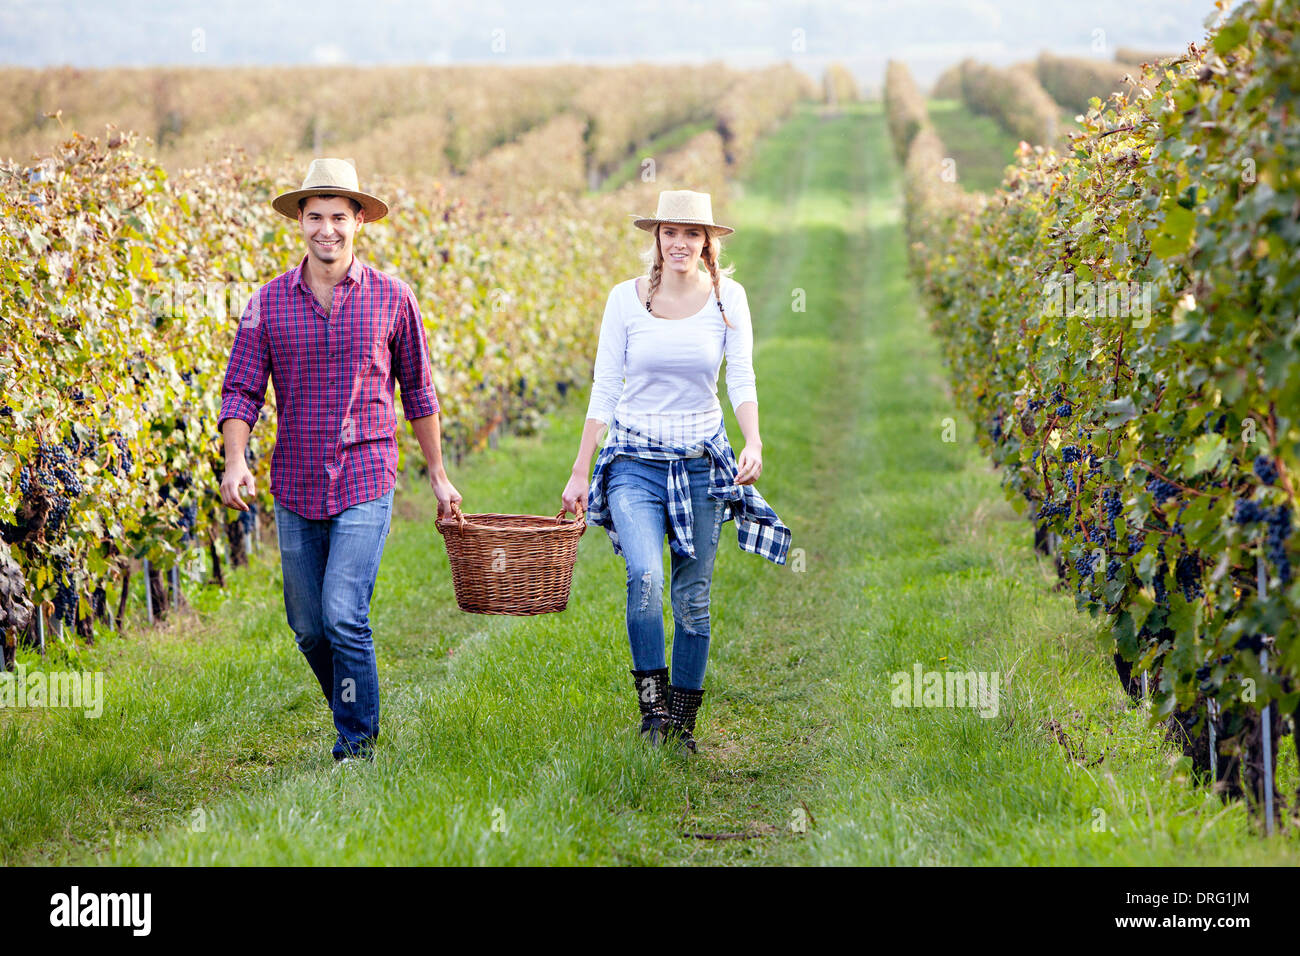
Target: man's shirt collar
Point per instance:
(356, 274)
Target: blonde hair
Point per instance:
(710, 254)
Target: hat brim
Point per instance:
(286, 204)
(714, 229)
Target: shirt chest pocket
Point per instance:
(366, 348)
(368, 353)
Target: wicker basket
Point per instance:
(511, 564)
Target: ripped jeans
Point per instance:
(637, 490)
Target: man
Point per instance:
(333, 334)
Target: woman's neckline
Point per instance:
(636, 292)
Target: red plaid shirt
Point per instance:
(336, 442)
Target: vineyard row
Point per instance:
(1119, 319)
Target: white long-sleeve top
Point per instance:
(660, 376)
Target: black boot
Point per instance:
(683, 702)
(652, 697)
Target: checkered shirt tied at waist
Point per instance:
(758, 529)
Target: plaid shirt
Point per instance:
(336, 439)
(758, 529)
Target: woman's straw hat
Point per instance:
(685, 207)
(335, 177)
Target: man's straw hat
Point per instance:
(687, 208)
(336, 177)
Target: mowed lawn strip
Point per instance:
(933, 568)
(980, 149)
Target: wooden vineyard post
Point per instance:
(148, 592)
(120, 620)
(1211, 707)
(217, 574)
(1266, 725)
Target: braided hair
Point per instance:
(709, 254)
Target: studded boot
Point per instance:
(652, 697)
(683, 702)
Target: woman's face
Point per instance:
(681, 246)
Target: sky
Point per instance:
(862, 34)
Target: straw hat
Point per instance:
(335, 177)
(684, 207)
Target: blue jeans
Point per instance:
(329, 569)
(637, 489)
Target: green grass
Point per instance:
(981, 148)
(514, 740)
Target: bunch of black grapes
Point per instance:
(1161, 490)
(1278, 523)
(65, 596)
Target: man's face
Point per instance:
(329, 226)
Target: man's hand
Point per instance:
(446, 493)
(237, 476)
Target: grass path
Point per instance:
(980, 148)
(513, 740)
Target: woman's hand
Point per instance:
(574, 497)
(749, 465)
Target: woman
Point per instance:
(668, 467)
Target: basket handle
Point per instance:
(458, 514)
(579, 514)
